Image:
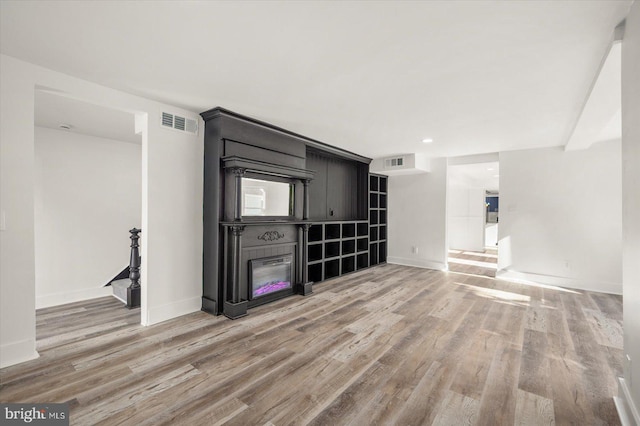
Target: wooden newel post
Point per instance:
(133, 291)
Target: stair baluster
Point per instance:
(133, 291)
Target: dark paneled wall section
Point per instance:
(339, 216)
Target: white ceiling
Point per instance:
(372, 77)
(51, 110)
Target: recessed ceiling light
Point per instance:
(496, 176)
(427, 140)
(65, 126)
(490, 168)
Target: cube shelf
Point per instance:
(315, 252)
(315, 272)
(331, 269)
(373, 201)
(363, 244)
(377, 219)
(331, 231)
(348, 247)
(337, 248)
(348, 230)
(315, 233)
(373, 254)
(348, 264)
(363, 261)
(373, 233)
(332, 249)
(373, 183)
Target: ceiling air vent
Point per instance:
(393, 162)
(401, 164)
(179, 123)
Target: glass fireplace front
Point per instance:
(268, 275)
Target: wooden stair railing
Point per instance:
(133, 291)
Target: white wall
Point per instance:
(631, 201)
(17, 264)
(171, 204)
(466, 215)
(417, 217)
(491, 235)
(87, 196)
(560, 217)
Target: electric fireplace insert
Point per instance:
(270, 274)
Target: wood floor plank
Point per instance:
(533, 410)
(534, 365)
(457, 410)
(389, 345)
(498, 404)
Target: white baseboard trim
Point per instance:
(418, 263)
(172, 310)
(56, 299)
(627, 410)
(596, 286)
(17, 352)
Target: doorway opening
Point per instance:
(87, 196)
(473, 214)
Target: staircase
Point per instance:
(120, 289)
(127, 290)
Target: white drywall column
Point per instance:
(17, 259)
(631, 201)
(171, 204)
(560, 217)
(418, 218)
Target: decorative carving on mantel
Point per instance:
(237, 230)
(271, 236)
(238, 171)
(305, 227)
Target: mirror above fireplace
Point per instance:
(266, 198)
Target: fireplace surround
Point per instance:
(247, 163)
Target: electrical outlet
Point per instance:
(414, 249)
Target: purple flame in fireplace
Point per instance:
(270, 275)
(271, 287)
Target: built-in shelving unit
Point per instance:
(377, 219)
(337, 248)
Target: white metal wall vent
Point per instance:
(393, 162)
(179, 123)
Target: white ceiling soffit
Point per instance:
(374, 78)
(479, 175)
(402, 164)
(601, 117)
(51, 110)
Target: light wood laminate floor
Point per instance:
(389, 345)
(471, 262)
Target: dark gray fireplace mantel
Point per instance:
(237, 147)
